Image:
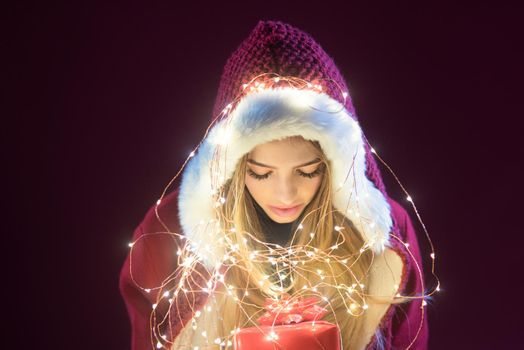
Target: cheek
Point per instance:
(311, 187)
(255, 188)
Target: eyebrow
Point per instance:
(314, 161)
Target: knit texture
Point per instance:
(277, 47)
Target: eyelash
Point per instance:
(311, 175)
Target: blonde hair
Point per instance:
(346, 270)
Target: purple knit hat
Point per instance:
(281, 83)
(277, 47)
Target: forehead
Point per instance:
(286, 152)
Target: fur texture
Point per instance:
(274, 114)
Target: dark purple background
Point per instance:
(110, 98)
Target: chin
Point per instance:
(281, 220)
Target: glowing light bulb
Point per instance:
(409, 199)
(272, 336)
(131, 244)
(432, 255)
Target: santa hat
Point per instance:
(279, 83)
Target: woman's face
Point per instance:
(283, 177)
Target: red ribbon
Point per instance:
(287, 311)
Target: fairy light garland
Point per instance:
(288, 261)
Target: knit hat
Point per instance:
(280, 83)
(279, 48)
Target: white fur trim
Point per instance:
(269, 115)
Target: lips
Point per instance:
(285, 211)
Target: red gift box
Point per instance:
(290, 325)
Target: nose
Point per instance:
(286, 191)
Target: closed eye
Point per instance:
(257, 176)
(319, 170)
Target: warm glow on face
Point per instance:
(283, 177)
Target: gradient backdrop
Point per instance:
(109, 98)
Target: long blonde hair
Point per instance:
(325, 258)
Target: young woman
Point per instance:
(282, 199)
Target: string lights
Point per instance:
(286, 262)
